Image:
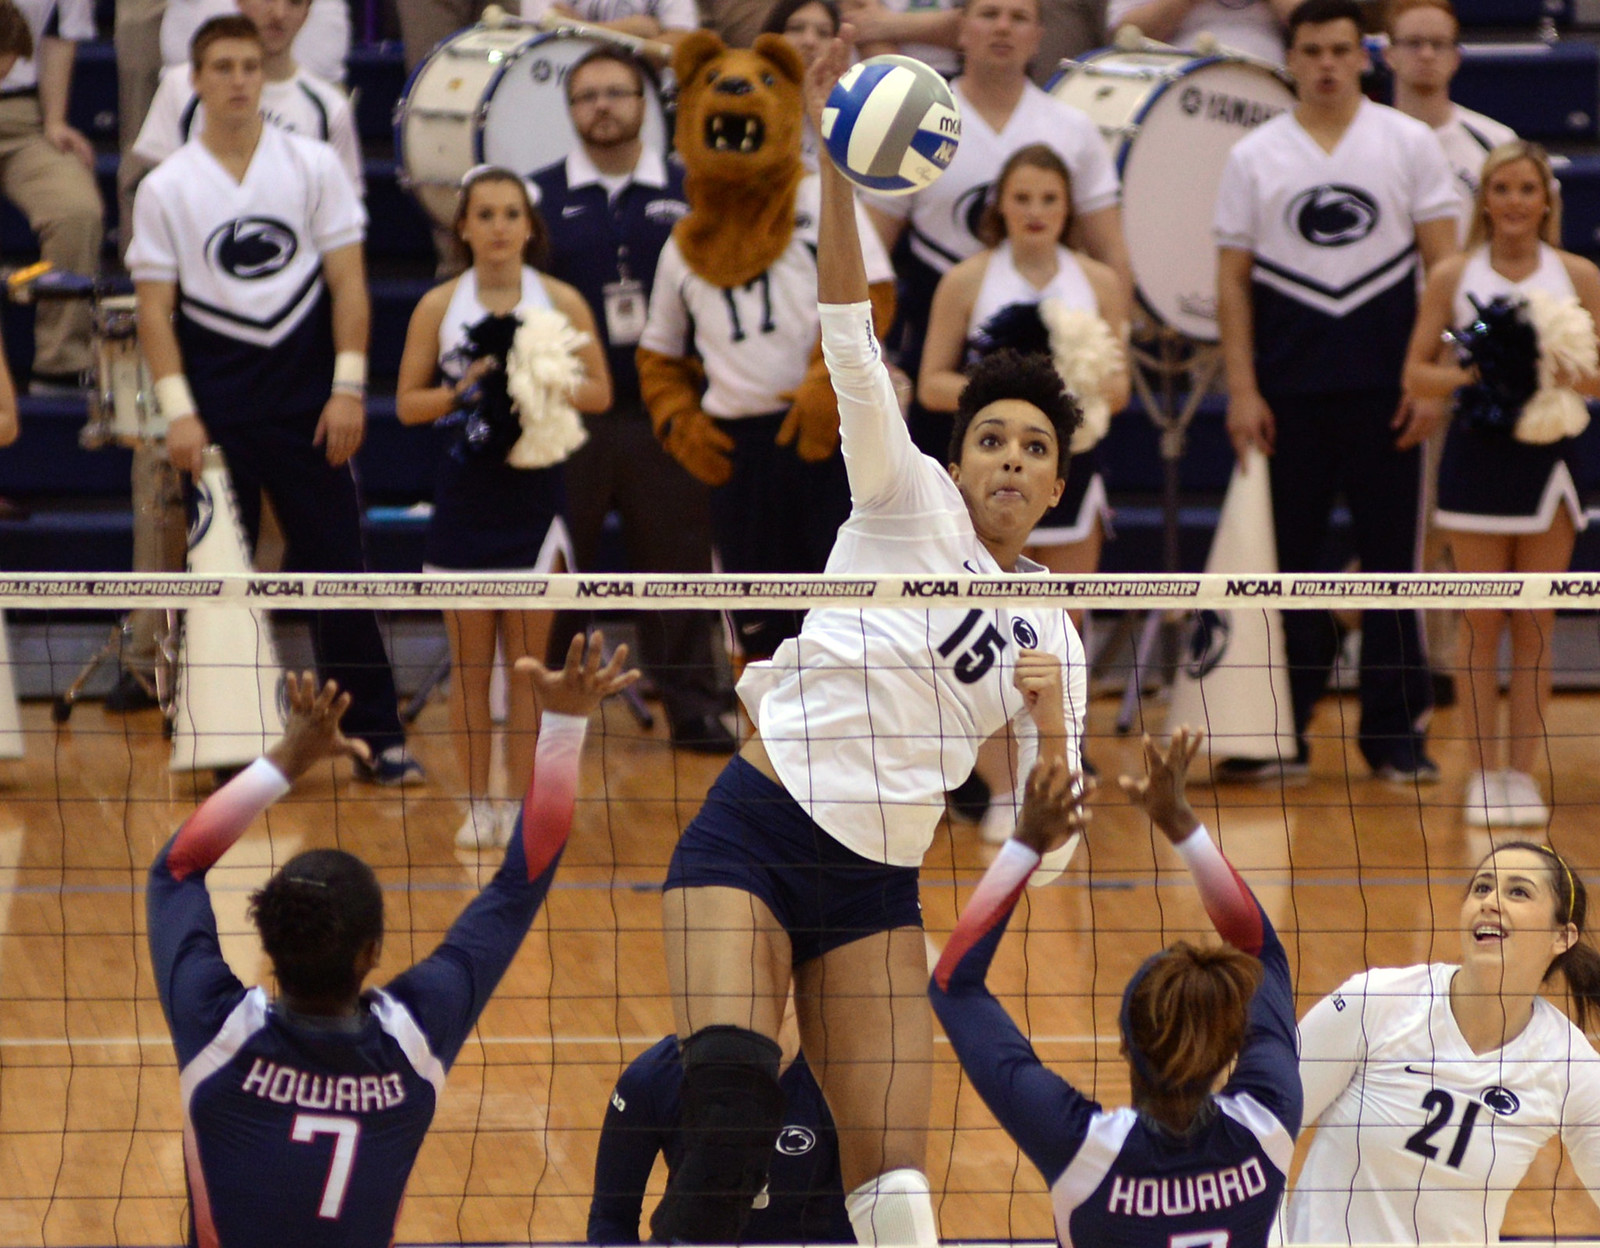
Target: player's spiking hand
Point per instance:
(1053, 805)
(1161, 794)
(582, 684)
(824, 72)
(312, 733)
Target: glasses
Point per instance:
(611, 95)
(1416, 43)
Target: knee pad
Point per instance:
(896, 1207)
(732, 1110)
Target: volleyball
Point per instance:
(891, 125)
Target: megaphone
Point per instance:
(1233, 675)
(229, 700)
(11, 745)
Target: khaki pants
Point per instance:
(138, 36)
(160, 544)
(59, 198)
(424, 24)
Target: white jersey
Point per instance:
(466, 310)
(1467, 138)
(60, 19)
(1420, 1140)
(301, 104)
(944, 217)
(1333, 235)
(870, 716)
(1249, 26)
(1002, 286)
(756, 340)
(1479, 278)
(321, 46)
(246, 256)
(672, 14)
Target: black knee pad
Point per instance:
(732, 1109)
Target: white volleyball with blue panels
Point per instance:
(891, 124)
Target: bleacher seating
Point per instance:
(1542, 91)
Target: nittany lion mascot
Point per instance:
(730, 362)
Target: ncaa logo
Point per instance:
(1333, 216)
(796, 1141)
(1208, 643)
(1502, 1100)
(1023, 632)
(250, 248)
(204, 509)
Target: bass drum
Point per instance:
(1170, 119)
(496, 96)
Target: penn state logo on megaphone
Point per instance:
(205, 510)
(1208, 642)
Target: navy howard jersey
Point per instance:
(1120, 1179)
(804, 1199)
(303, 1131)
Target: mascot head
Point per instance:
(739, 109)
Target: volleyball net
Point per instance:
(1355, 871)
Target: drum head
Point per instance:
(528, 125)
(1171, 167)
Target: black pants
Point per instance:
(1328, 445)
(776, 514)
(666, 527)
(320, 511)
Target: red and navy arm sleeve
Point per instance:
(448, 990)
(196, 986)
(1268, 1066)
(1043, 1113)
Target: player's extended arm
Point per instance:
(447, 990)
(812, 423)
(192, 978)
(1043, 1113)
(1333, 1047)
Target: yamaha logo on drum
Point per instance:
(1333, 215)
(250, 248)
(1230, 110)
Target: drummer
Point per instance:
(1001, 110)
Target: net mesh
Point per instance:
(1355, 872)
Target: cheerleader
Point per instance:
(1027, 262)
(1434, 1087)
(808, 25)
(1506, 492)
(492, 510)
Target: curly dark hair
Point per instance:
(315, 915)
(1008, 374)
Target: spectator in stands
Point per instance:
(490, 513)
(738, 22)
(425, 24)
(1320, 218)
(1424, 56)
(138, 46)
(291, 97)
(264, 350)
(322, 46)
(808, 25)
(47, 171)
(665, 21)
(930, 29)
(1254, 26)
(611, 206)
(803, 1202)
(1001, 110)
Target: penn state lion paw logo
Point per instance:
(1333, 216)
(250, 248)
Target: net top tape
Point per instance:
(1207, 591)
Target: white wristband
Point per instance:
(174, 398)
(350, 370)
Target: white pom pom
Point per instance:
(542, 371)
(1567, 348)
(1086, 354)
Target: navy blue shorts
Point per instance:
(753, 836)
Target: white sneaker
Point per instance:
(1485, 799)
(477, 830)
(506, 810)
(1524, 804)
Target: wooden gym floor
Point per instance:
(1354, 873)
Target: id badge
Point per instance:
(625, 312)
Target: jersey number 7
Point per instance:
(346, 1133)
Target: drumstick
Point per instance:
(496, 18)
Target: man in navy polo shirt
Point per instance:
(611, 205)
